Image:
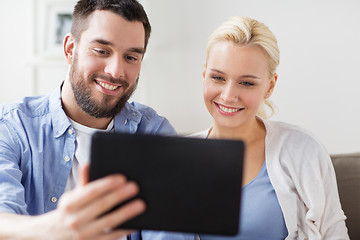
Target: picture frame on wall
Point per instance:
(54, 22)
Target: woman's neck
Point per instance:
(248, 133)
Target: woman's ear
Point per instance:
(69, 47)
(204, 69)
(272, 84)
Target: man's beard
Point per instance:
(89, 103)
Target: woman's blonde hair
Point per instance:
(247, 31)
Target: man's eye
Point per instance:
(101, 52)
(131, 58)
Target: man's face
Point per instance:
(106, 63)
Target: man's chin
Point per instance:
(109, 112)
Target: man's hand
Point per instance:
(80, 212)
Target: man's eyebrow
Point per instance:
(137, 50)
(102, 41)
(108, 43)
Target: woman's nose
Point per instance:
(229, 93)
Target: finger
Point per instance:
(84, 174)
(112, 235)
(115, 218)
(107, 202)
(82, 196)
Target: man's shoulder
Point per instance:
(145, 111)
(150, 121)
(31, 107)
(143, 108)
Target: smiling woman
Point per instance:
(239, 76)
(282, 161)
(245, 77)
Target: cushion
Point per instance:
(347, 168)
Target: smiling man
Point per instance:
(45, 141)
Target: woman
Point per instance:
(289, 185)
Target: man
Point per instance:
(44, 141)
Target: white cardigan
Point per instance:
(302, 174)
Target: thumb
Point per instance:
(84, 174)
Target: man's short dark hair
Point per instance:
(130, 10)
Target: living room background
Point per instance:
(319, 80)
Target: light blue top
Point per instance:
(37, 145)
(260, 215)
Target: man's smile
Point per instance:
(107, 87)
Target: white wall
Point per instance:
(318, 78)
(318, 75)
(14, 42)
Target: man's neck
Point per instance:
(89, 121)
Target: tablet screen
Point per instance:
(188, 184)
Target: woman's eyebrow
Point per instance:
(216, 70)
(242, 76)
(250, 76)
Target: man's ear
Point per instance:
(69, 45)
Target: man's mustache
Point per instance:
(110, 79)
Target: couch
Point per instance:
(347, 168)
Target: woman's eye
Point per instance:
(247, 84)
(217, 78)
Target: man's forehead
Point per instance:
(113, 29)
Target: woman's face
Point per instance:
(236, 81)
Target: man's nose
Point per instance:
(115, 67)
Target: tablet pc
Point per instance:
(188, 184)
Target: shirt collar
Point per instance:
(59, 119)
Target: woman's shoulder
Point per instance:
(290, 132)
(294, 147)
(292, 139)
(201, 134)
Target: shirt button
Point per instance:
(71, 131)
(67, 158)
(54, 199)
